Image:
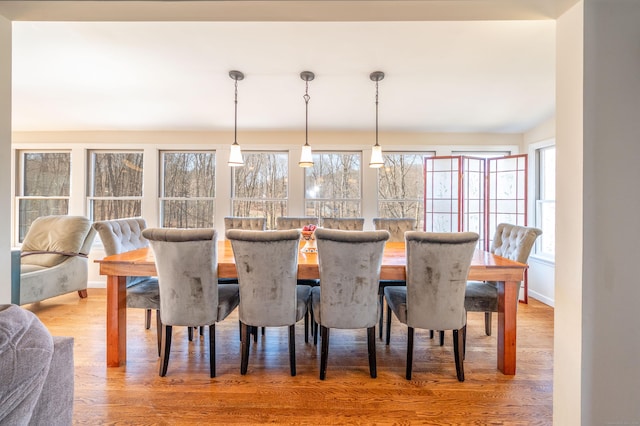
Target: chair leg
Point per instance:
(244, 345)
(190, 333)
(254, 330)
(371, 346)
(464, 342)
(324, 351)
(409, 353)
(212, 349)
(430, 334)
(202, 330)
(441, 337)
(166, 349)
(388, 324)
(458, 336)
(313, 320)
(263, 328)
(380, 321)
(159, 331)
(315, 333)
(82, 294)
(306, 326)
(147, 319)
(487, 323)
(292, 349)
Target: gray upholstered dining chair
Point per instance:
(349, 264)
(433, 298)
(187, 265)
(249, 223)
(513, 242)
(343, 223)
(396, 227)
(290, 222)
(122, 235)
(267, 264)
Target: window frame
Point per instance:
(539, 201)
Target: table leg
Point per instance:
(116, 321)
(507, 311)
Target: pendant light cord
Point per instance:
(306, 98)
(376, 113)
(235, 118)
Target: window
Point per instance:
(115, 188)
(260, 188)
(401, 187)
(44, 179)
(333, 185)
(187, 189)
(482, 154)
(546, 201)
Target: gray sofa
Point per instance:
(36, 371)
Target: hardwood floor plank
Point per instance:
(135, 394)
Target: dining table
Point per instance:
(485, 266)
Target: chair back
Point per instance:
(252, 223)
(343, 223)
(187, 265)
(121, 235)
(514, 242)
(437, 270)
(267, 265)
(349, 263)
(288, 222)
(396, 227)
(56, 238)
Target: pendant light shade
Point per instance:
(235, 154)
(376, 152)
(306, 156)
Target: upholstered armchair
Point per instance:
(187, 265)
(510, 241)
(343, 223)
(122, 235)
(267, 264)
(251, 223)
(433, 298)
(53, 259)
(396, 227)
(349, 264)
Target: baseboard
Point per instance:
(539, 297)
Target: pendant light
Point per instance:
(376, 152)
(306, 156)
(235, 154)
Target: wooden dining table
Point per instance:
(485, 266)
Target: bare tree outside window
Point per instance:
(401, 187)
(333, 185)
(44, 187)
(260, 187)
(188, 189)
(116, 185)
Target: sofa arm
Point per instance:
(15, 276)
(55, 405)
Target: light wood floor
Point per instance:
(135, 394)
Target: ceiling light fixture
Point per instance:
(306, 156)
(235, 154)
(376, 152)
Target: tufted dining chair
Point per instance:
(122, 235)
(343, 223)
(349, 264)
(396, 227)
(249, 223)
(187, 265)
(290, 222)
(433, 298)
(510, 241)
(267, 264)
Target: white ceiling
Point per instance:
(441, 76)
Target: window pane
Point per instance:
(189, 174)
(115, 209)
(264, 176)
(256, 208)
(333, 185)
(117, 174)
(31, 209)
(187, 213)
(47, 174)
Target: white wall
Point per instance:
(611, 201)
(567, 374)
(5, 159)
